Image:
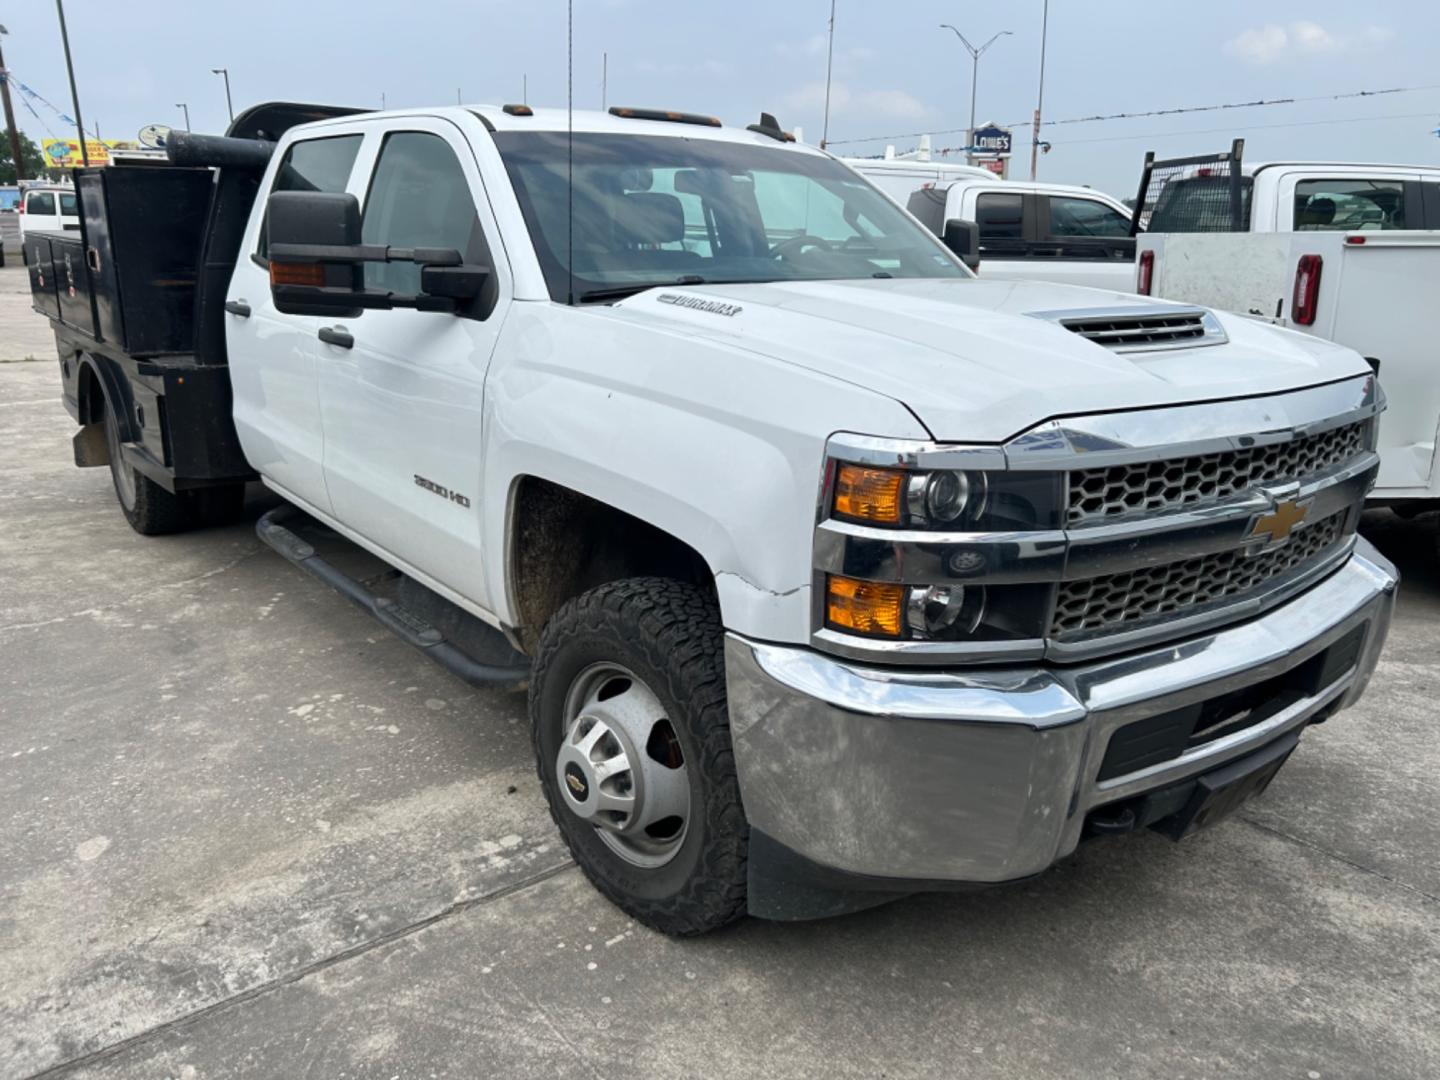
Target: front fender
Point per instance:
(716, 445)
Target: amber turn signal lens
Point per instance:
(297, 273)
(864, 607)
(868, 494)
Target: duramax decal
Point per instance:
(442, 491)
(713, 307)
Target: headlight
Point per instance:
(952, 500)
(922, 547)
(953, 612)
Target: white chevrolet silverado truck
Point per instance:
(836, 572)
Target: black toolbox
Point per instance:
(143, 229)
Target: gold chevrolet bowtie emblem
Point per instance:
(1278, 524)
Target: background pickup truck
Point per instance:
(1031, 231)
(1341, 251)
(837, 573)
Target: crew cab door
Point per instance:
(401, 391)
(272, 354)
(1084, 241)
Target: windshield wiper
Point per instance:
(619, 292)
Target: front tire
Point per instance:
(632, 741)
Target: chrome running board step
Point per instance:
(285, 531)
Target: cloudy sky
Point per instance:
(896, 72)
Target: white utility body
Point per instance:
(844, 573)
(1364, 242)
(1028, 231)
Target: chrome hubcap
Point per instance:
(620, 766)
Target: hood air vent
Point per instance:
(1142, 329)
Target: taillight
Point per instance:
(1145, 274)
(1307, 290)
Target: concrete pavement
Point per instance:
(245, 832)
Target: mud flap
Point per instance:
(90, 446)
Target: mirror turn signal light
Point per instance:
(297, 273)
(864, 607)
(869, 494)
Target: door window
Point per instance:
(40, 202)
(1347, 205)
(1430, 194)
(1000, 217)
(1073, 216)
(419, 197)
(313, 165)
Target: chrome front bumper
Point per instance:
(988, 775)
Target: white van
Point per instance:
(49, 209)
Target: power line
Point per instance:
(942, 150)
(1259, 103)
(1257, 127)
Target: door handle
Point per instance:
(341, 339)
(238, 307)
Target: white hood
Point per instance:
(970, 361)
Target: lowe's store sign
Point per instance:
(991, 140)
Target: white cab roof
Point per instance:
(591, 121)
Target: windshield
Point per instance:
(654, 210)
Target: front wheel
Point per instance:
(632, 738)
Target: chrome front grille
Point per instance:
(1150, 487)
(1115, 601)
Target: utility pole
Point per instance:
(604, 80)
(382, 100)
(829, 67)
(1040, 99)
(225, 72)
(15, 154)
(975, 55)
(457, 96)
(186, 108)
(74, 94)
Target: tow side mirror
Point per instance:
(300, 227)
(963, 238)
(317, 261)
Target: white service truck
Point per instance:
(1341, 251)
(1027, 231)
(836, 572)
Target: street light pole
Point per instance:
(15, 154)
(186, 109)
(229, 107)
(1040, 99)
(975, 55)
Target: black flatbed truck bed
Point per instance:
(136, 301)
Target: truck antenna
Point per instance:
(570, 148)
